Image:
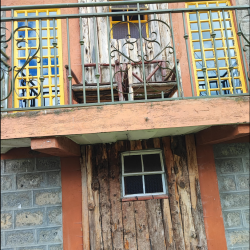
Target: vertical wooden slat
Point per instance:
(115, 195)
(103, 177)
(173, 195)
(182, 178)
(155, 225)
(85, 215)
(197, 209)
(93, 197)
(140, 212)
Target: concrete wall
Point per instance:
(232, 167)
(31, 204)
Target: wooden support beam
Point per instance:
(223, 133)
(57, 146)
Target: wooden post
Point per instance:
(197, 210)
(118, 79)
(85, 215)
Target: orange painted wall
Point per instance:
(210, 197)
(71, 195)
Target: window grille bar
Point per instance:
(12, 62)
(82, 61)
(215, 50)
(41, 78)
(110, 66)
(188, 55)
(241, 48)
(55, 59)
(69, 76)
(143, 179)
(97, 73)
(228, 51)
(142, 53)
(204, 69)
(175, 60)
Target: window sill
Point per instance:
(144, 198)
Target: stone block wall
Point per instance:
(31, 204)
(232, 166)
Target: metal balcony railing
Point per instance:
(129, 51)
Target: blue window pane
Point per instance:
(207, 44)
(215, 14)
(53, 80)
(21, 44)
(203, 16)
(213, 84)
(209, 54)
(32, 52)
(58, 101)
(32, 43)
(44, 33)
(218, 43)
(192, 17)
(33, 72)
(52, 52)
(21, 62)
(33, 62)
(216, 25)
(194, 26)
(237, 83)
(44, 42)
(45, 61)
(21, 53)
(22, 83)
(42, 13)
(45, 52)
(234, 62)
(46, 101)
(45, 91)
(197, 45)
(45, 71)
(33, 82)
(217, 34)
(206, 35)
(20, 24)
(46, 81)
(223, 73)
(210, 64)
(53, 61)
(44, 24)
(197, 55)
(212, 73)
(191, 6)
(22, 92)
(200, 74)
(52, 32)
(53, 70)
(222, 63)
(20, 14)
(205, 25)
(52, 13)
(53, 90)
(198, 65)
(32, 24)
(195, 35)
(31, 33)
(51, 23)
(31, 13)
(21, 34)
(202, 5)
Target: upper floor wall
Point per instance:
(123, 53)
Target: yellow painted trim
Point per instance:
(224, 48)
(49, 56)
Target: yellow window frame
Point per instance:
(136, 21)
(240, 78)
(48, 85)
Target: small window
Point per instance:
(143, 173)
(129, 27)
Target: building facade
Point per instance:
(125, 125)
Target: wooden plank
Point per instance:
(85, 211)
(93, 88)
(115, 196)
(197, 209)
(103, 178)
(182, 179)
(93, 205)
(173, 195)
(142, 231)
(140, 213)
(155, 225)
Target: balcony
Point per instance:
(89, 54)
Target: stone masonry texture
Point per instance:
(232, 167)
(31, 204)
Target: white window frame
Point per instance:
(162, 172)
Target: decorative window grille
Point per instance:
(212, 56)
(143, 173)
(129, 27)
(28, 83)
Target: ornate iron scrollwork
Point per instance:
(153, 40)
(19, 71)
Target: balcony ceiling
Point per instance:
(109, 137)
